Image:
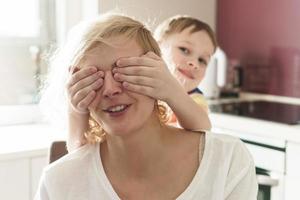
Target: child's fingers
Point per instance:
(79, 94)
(87, 81)
(136, 70)
(137, 61)
(81, 106)
(144, 90)
(152, 55)
(81, 99)
(82, 73)
(138, 80)
(84, 103)
(73, 69)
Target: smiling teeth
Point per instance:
(117, 108)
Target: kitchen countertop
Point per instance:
(276, 132)
(26, 140)
(35, 139)
(279, 133)
(245, 96)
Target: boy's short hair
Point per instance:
(178, 23)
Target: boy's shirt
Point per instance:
(197, 95)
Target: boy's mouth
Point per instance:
(186, 73)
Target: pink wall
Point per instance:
(264, 36)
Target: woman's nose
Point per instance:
(111, 87)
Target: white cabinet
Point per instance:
(37, 165)
(19, 176)
(14, 179)
(293, 171)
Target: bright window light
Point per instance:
(19, 18)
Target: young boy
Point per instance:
(187, 45)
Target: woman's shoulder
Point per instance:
(187, 136)
(228, 148)
(217, 145)
(212, 140)
(223, 140)
(71, 161)
(67, 177)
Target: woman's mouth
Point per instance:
(117, 110)
(186, 73)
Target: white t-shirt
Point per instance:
(226, 171)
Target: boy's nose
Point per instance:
(193, 64)
(111, 87)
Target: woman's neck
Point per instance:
(137, 154)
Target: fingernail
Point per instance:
(75, 69)
(93, 69)
(125, 84)
(117, 76)
(100, 73)
(99, 81)
(118, 62)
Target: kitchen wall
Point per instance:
(18, 75)
(155, 11)
(263, 37)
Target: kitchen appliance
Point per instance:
(265, 110)
(269, 155)
(269, 158)
(215, 75)
(270, 169)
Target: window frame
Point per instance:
(30, 113)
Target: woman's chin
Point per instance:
(123, 131)
(118, 131)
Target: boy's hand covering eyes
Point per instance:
(81, 87)
(147, 75)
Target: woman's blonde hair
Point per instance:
(179, 23)
(84, 37)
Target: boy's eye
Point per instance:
(184, 50)
(202, 61)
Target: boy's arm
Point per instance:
(149, 75)
(190, 115)
(81, 92)
(77, 126)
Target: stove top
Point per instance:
(265, 110)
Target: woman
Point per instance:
(131, 153)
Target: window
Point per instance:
(19, 18)
(26, 29)
(38, 25)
